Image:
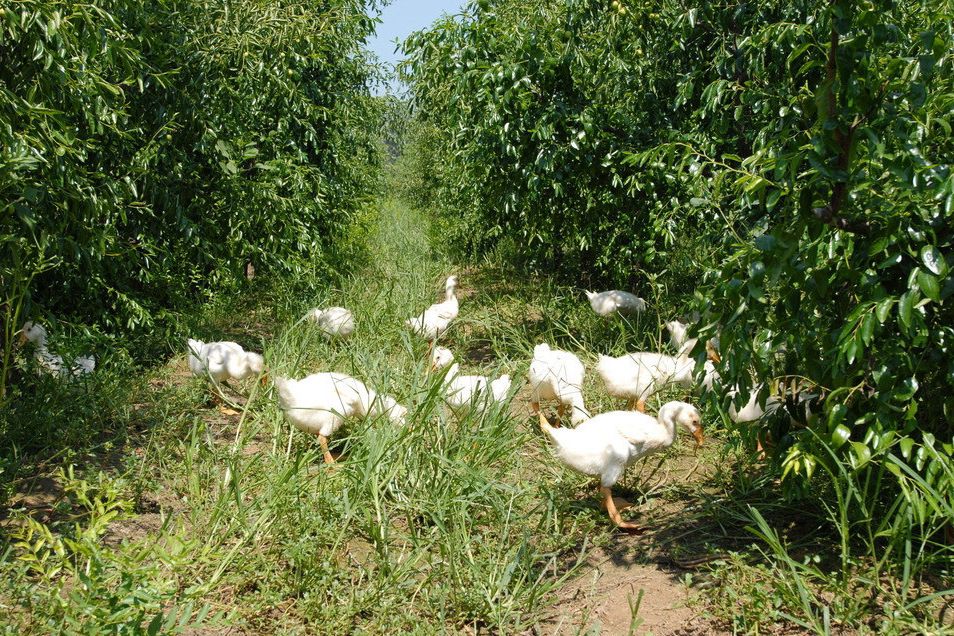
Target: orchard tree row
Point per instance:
(151, 151)
(784, 168)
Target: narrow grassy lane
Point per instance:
(441, 525)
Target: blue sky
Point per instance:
(402, 17)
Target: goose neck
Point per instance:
(668, 424)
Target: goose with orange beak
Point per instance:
(606, 444)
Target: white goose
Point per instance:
(606, 444)
(638, 376)
(223, 361)
(678, 333)
(334, 322)
(319, 404)
(614, 301)
(557, 375)
(53, 363)
(679, 338)
(798, 403)
(466, 393)
(753, 411)
(437, 318)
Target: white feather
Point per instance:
(223, 361)
(557, 375)
(606, 444)
(53, 363)
(320, 403)
(334, 322)
(610, 302)
(465, 393)
(437, 318)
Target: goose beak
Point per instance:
(21, 338)
(698, 435)
(712, 354)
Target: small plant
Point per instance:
(62, 578)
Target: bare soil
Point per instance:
(616, 592)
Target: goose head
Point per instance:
(256, 366)
(394, 411)
(500, 387)
(195, 347)
(684, 415)
(450, 285)
(441, 358)
(677, 332)
(541, 350)
(286, 390)
(34, 333)
(255, 361)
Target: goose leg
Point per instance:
(544, 424)
(535, 408)
(619, 502)
(610, 505)
(759, 448)
(641, 405)
(324, 449)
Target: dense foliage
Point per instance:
(150, 150)
(532, 105)
(787, 162)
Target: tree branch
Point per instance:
(827, 215)
(830, 213)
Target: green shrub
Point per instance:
(151, 150)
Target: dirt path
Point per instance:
(635, 584)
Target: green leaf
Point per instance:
(850, 350)
(883, 309)
(765, 242)
(840, 435)
(905, 307)
(836, 416)
(933, 260)
(862, 454)
(797, 51)
(906, 445)
(929, 285)
(867, 328)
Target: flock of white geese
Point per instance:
(600, 445)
